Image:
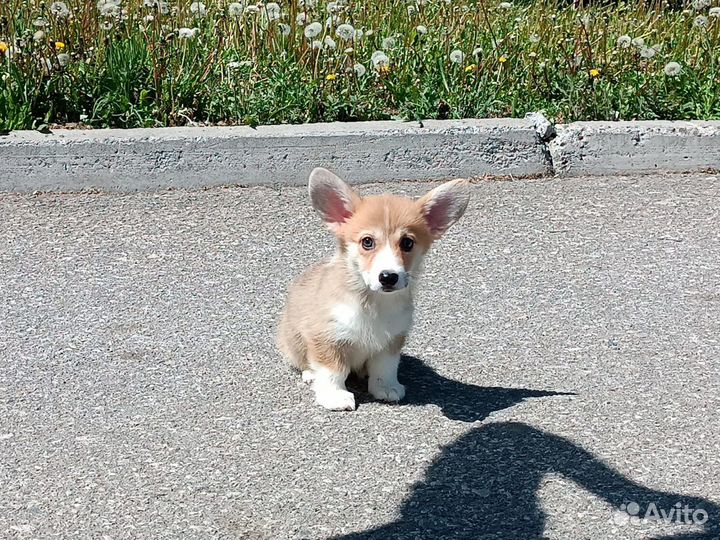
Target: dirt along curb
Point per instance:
(197, 157)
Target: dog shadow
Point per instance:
(457, 400)
(485, 485)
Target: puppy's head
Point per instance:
(383, 239)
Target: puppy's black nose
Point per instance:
(388, 279)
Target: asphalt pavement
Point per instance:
(563, 373)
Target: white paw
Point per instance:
(308, 376)
(386, 391)
(335, 400)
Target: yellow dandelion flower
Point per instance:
(330, 77)
(384, 70)
(471, 67)
(3, 47)
(502, 59)
(59, 45)
(594, 72)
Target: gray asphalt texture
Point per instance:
(564, 369)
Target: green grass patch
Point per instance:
(141, 63)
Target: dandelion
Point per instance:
(672, 69)
(502, 59)
(380, 60)
(699, 5)
(301, 19)
(332, 7)
(714, 12)
(411, 10)
(251, 9)
(329, 43)
(4, 47)
(624, 41)
(388, 43)
(358, 34)
(317, 44)
(534, 38)
(594, 72)
(284, 29)
(421, 30)
(701, 20)
(313, 30)
(59, 45)
(470, 68)
(638, 42)
(647, 52)
(63, 59)
(359, 69)
(235, 9)
(60, 10)
(345, 31)
(39, 35)
(198, 8)
(40, 23)
(505, 5)
(273, 11)
(109, 8)
(330, 77)
(187, 33)
(457, 56)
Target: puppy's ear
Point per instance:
(333, 199)
(444, 205)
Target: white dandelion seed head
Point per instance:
(187, 33)
(348, 50)
(39, 35)
(379, 60)
(358, 34)
(40, 23)
(672, 69)
(359, 69)
(284, 29)
(162, 7)
(388, 43)
(534, 38)
(345, 31)
(714, 12)
(701, 21)
(273, 11)
(638, 42)
(699, 5)
(332, 7)
(317, 44)
(236, 9)
(63, 59)
(505, 5)
(198, 8)
(624, 41)
(331, 21)
(647, 52)
(421, 29)
(329, 43)
(411, 10)
(59, 9)
(109, 8)
(310, 4)
(252, 9)
(457, 56)
(300, 19)
(477, 51)
(313, 30)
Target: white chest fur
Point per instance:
(371, 328)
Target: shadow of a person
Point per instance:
(485, 486)
(457, 400)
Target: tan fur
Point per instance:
(313, 333)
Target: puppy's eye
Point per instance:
(367, 243)
(406, 244)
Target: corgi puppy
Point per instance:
(353, 312)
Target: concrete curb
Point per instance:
(149, 159)
(153, 159)
(607, 148)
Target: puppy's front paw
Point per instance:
(336, 400)
(386, 391)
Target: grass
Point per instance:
(135, 63)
